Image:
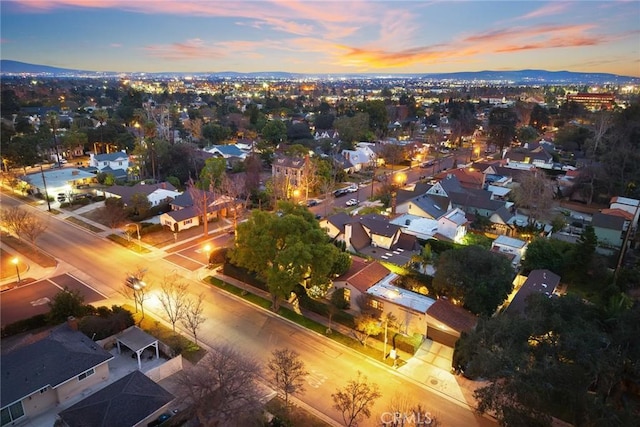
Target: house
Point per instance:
(512, 248)
(371, 230)
(230, 152)
(187, 209)
(326, 134)
(520, 158)
(361, 276)
(439, 320)
(409, 308)
(538, 282)
(290, 172)
(134, 400)
(626, 204)
(447, 321)
(155, 193)
(451, 226)
(63, 180)
(116, 163)
(334, 225)
(609, 229)
(58, 366)
(362, 157)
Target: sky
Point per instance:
(328, 36)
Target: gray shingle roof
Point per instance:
(611, 222)
(62, 355)
(111, 157)
(123, 403)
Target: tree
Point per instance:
(66, 303)
(139, 206)
(356, 399)
(193, 318)
(479, 278)
(32, 228)
(535, 194)
(114, 212)
(173, 298)
(214, 133)
(136, 289)
(367, 325)
(222, 387)
(502, 126)
(288, 372)
(353, 128)
(550, 254)
(275, 131)
(212, 174)
(13, 219)
(284, 250)
(565, 358)
(539, 117)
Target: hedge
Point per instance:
(25, 325)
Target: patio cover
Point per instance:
(137, 341)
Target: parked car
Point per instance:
(352, 202)
(312, 202)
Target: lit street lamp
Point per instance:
(15, 261)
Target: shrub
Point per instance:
(309, 303)
(146, 228)
(338, 300)
(24, 325)
(218, 256)
(98, 198)
(243, 275)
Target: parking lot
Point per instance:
(31, 299)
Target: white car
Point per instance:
(352, 202)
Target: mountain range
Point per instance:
(526, 77)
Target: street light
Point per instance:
(15, 261)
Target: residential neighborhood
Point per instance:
(442, 240)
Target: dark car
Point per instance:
(312, 202)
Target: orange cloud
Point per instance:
(188, 50)
(546, 10)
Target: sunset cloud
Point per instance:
(187, 50)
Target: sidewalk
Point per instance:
(430, 366)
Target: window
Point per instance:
(86, 374)
(187, 221)
(377, 305)
(347, 294)
(120, 163)
(44, 389)
(12, 413)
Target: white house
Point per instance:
(361, 158)
(156, 193)
(511, 247)
(109, 162)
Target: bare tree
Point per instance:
(234, 186)
(193, 317)
(173, 298)
(33, 227)
(136, 289)
(222, 388)
(288, 372)
(535, 193)
(113, 212)
(13, 219)
(403, 410)
(355, 400)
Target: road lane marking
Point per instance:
(88, 286)
(315, 378)
(40, 301)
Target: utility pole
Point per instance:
(46, 193)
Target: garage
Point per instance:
(442, 337)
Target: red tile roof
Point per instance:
(457, 318)
(362, 274)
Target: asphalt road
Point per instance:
(103, 265)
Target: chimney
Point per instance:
(73, 323)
